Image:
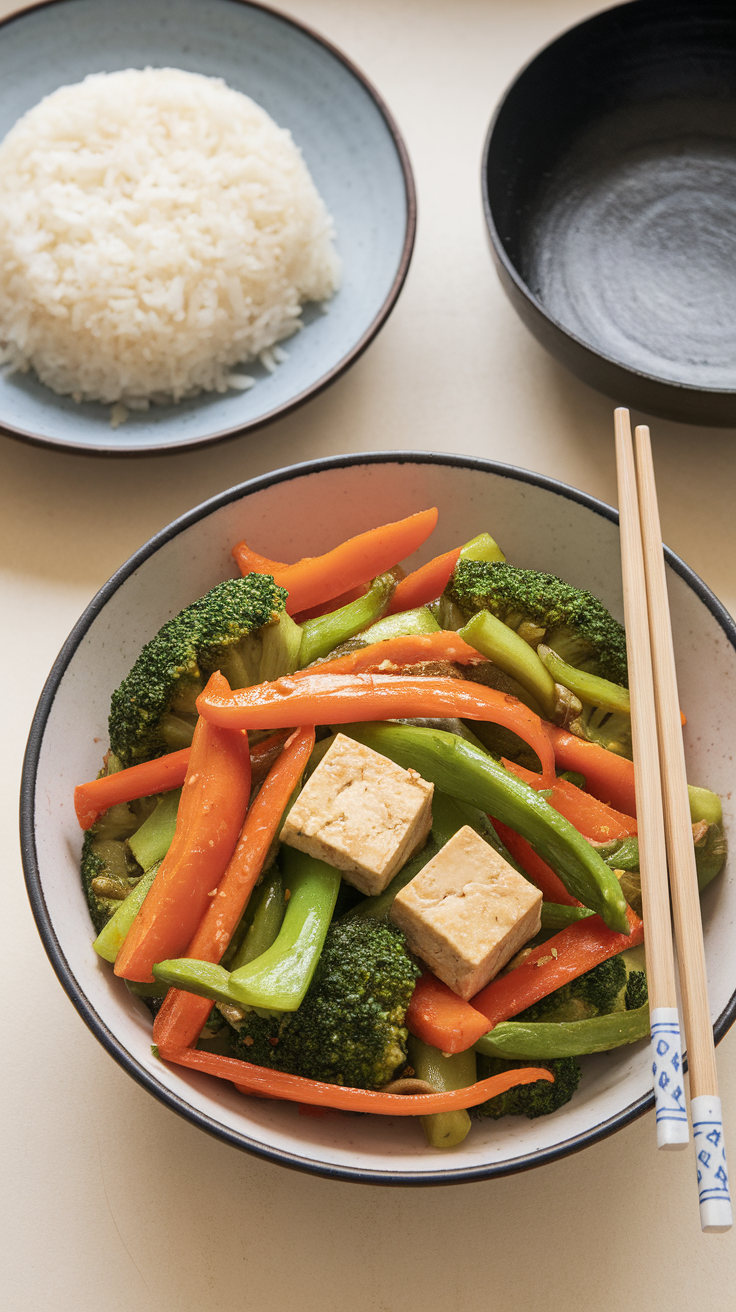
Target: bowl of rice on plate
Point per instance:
(206, 215)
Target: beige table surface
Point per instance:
(112, 1203)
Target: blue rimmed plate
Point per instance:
(351, 146)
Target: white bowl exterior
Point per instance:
(306, 514)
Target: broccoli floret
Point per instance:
(636, 993)
(109, 871)
(219, 631)
(350, 1027)
(608, 987)
(593, 994)
(532, 1100)
(600, 987)
(541, 607)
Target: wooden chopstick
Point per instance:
(653, 683)
(669, 1088)
(705, 1104)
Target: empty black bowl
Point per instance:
(609, 187)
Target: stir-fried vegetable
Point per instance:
(319, 698)
(319, 578)
(250, 938)
(295, 1088)
(210, 816)
(181, 1017)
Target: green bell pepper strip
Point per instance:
(201, 977)
(502, 645)
(461, 770)
(448, 816)
(265, 922)
(556, 916)
(110, 938)
(322, 634)
(540, 1040)
(152, 841)
(279, 978)
(401, 625)
(458, 1071)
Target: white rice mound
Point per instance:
(157, 229)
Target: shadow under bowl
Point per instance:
(609, 188)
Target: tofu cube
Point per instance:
(361, 813)
(467, 912)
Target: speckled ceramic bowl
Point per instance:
(350, 144)
(306, 510)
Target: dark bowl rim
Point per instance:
(30, 859)
(374, 327)
(510, 268)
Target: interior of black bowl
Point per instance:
(612, 186)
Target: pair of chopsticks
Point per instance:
(665, 838)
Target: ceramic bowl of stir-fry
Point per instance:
(329, 818)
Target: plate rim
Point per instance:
(21, 434)
(64, 973)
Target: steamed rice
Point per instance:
(157, 230)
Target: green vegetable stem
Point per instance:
(531, 1041)
(401, 625)
(267, 915)
(152, 841)
(322, 634)
(279, 978)
(443, 1129)
(591, 689)
(502, 645)
(110, 939)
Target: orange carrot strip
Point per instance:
(593, 819)
(157, 776)
(315, 698)
(318, 578)
(294, 1088)
(182, 1015)
(410, 649)
(439, 1017)
(249, 562)
(563, 957)
(608, 777)
(211, 813)
(425, 583)
(553, 889)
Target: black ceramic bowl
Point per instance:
(609, 187)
